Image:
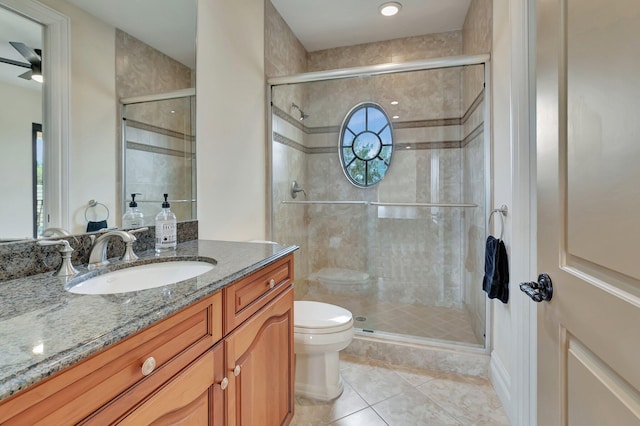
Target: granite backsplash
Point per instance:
(24, 258)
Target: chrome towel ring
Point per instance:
(92, 204)
(503, 213)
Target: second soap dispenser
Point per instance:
(133, 218)
(166, 228)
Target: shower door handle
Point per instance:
(539, 291)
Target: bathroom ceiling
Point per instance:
(17, 28)
(333, 23)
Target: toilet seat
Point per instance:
(320, 318)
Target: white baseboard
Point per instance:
(501, 381)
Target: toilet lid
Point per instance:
(318, 315)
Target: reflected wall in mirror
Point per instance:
(158, 129)
(159, 154)
(90, 157)
(20, 109)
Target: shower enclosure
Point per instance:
(405, 254)
(158, 153)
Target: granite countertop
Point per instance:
(45, 329)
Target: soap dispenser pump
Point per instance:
(133, 218)
(166, 228)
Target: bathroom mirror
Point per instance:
(87, 163)
(21, 101)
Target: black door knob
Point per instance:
(539, 291)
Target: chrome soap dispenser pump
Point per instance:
(166, 228)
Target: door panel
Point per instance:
(588, 142)
(597, 390)
(603, 97)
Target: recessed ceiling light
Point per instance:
(390, 8)
(394, 102)
(395, 117)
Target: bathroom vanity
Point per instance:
(215, 349)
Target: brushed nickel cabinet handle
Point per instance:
(148, 366)
(236, 371)
(272, 283)
(224, 383)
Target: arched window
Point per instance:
(366, 144)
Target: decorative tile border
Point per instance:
(159, 150)
(159, 130)
(474, 134)
(277, 137)
(472, 108)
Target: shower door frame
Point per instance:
(393, 68)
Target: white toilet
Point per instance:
(320, 331)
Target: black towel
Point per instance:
(496, 270)
(96, 226)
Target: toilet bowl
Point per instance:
(320, 331)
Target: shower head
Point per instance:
(301, 112)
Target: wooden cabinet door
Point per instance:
(259, 361)
(192, 397)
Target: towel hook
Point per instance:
(503, 213)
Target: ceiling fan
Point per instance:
(34, 58)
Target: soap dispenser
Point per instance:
(133, 218)
(166, 228)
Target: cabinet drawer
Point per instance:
(73, 394)
(193, 396)
(248, 295)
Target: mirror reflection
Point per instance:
(118, 49)
(159, 158)
(21, 142)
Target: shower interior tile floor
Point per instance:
(409, 319)
(378, 394)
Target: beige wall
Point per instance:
(398, 50)
(476, 39)
(285, 55)
(231, 120)
(16, 183)
(502, 333)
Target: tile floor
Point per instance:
(378, 394)
(415, 320)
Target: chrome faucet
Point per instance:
(98, 254)
(66, 267)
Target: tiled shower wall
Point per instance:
(416, 255)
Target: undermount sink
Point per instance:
(141, 277)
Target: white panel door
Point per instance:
(588, 166)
